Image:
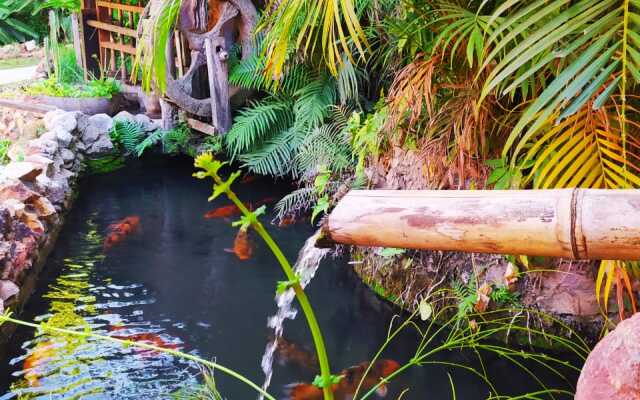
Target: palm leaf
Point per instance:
(329, 25)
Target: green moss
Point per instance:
(105, 164)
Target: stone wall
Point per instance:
(37, 188)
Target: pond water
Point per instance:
(173, 283)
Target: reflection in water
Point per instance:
(74, 367)
(172, 283)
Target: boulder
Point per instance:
(62, 119)
(124, 116)
(100, 147)
(8, 289)
(567, 291)
(64, 137)
(67, 155)
(147, 123)
(44, 208)
(612, 370)
(30, 45)
(98, 126)
(18, 191)
(22, 170)
(44, 162)
(41, 146)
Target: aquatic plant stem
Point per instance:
(323, 360)
(186, 356)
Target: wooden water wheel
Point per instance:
(205, 32)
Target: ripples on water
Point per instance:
(174, 283)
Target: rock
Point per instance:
(44, 162)
(62, 119)
(30, 45)
(32, 222)
(49, 135)
(67, 155)
(612, 370)
(100, 147)
(18, 191)
(22, 170)
(44, 208)
(147, 124)
(98, 126)
(53, 189)
(14, 206)
(568, 291)
(8, 289)
(124, 116)
(41, 146)
(64, 137)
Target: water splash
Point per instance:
(306, 266)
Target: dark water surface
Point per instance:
(174, 282)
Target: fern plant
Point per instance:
(267, 135)
(128, 134)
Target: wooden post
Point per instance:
(569, 223)
(78, 43)
(211, 72)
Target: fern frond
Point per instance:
(127, 133)
(258, 123)
(327, 145)
(313, 101)
(275, 156)
(149, 142)
(297, 201)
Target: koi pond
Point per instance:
(173, 282)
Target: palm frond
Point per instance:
(587, 42)
(326, 25)
(584, 150)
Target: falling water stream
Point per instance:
(174, 283)
(306, 267)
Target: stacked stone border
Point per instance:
(37, 189)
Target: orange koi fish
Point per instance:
(351, 377)
(242, 246)
(120, 230)
(223, 212)
(287, 220)
(248, 179)
(291, 353)
(265, 201)
(148, 338)
(40, 355)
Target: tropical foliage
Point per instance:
(511, 94)
(12, 28)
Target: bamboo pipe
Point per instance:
(568, 223)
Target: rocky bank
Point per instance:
(37, 188)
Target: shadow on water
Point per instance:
(173, 284)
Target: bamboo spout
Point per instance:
(569, 223)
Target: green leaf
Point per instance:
(246, 221)
(322, 206)
(318, 381)
(283, 286)
(389, 252)
(224, 187)
(604, 96)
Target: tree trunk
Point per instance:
(570, 223)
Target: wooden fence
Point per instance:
(110, 31)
